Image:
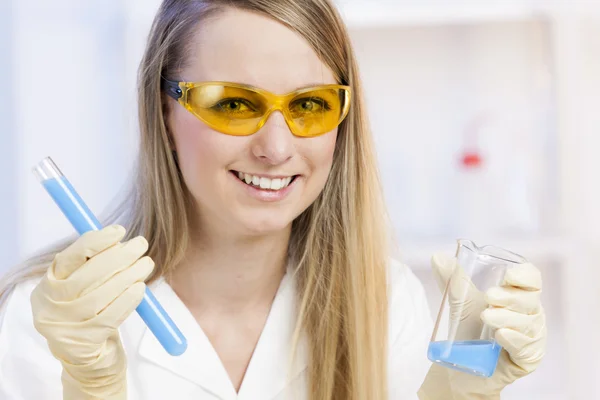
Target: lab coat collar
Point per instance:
(267, 373)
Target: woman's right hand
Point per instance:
(89, 290)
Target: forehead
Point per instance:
(244, 47)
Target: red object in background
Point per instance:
(471, 156)
(471, 159)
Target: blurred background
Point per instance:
(486, 117)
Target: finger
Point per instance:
(93, 303)
(121, 308)
(85, 247)
(461, 287)
(512, 341)
(529, 325)
(465, 300)
(105, 265)
(93, 361)
(443, 267)
(514, 299)
(525, 276)
(523, 350)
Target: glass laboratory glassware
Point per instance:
(460, 339)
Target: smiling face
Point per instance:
(256, 184)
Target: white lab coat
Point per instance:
(29, 371)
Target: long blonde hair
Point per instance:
(339, 244)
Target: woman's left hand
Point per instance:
(514, 309)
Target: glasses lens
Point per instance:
(239, 111)
(318, 111)
(227, 109)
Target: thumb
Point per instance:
(466, 302)
(443, 267)
(85, 247)
(446, 269)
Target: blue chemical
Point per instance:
(83, 220)
(477, 357)
(69, 202)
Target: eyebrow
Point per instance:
(314, 84)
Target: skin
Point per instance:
(238, 252)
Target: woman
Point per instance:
(265, 238)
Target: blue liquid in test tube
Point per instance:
(83, 220)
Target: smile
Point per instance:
(263, 182)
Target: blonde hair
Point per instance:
(339, 244)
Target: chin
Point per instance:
(267, 226)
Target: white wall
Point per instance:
(577, 53)
(70, 105)
(9, 229)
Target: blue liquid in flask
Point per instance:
(477, 357)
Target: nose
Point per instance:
(274, 142)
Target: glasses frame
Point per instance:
(179, 90)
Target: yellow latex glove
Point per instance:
(516, 313)
(88, 291)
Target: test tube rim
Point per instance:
(47, 169)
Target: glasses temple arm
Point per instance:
(171, 88)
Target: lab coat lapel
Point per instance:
(269, 372)
(199, 363)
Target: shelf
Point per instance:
(417, 254)
(378, 14)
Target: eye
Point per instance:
(309, 105)
(234, 105)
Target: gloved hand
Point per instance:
(516, 313)
(89, 290)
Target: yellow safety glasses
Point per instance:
(241, 110)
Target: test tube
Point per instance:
(83, 220)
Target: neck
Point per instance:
(231, 274)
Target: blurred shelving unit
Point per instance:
(412, 13)
(556, 249)
(516, 81)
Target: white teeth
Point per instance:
(276, 184)
(265, 183)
